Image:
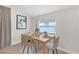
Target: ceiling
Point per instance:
(36, 10)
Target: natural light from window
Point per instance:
(48, 26)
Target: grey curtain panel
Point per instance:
(5, 27)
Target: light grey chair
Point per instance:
(28, 42)
(53, 44)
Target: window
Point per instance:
(48, 26)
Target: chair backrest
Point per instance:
(28, 33)
(26, 40)
(46, 35)
(51, 34)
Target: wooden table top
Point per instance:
(43, 39)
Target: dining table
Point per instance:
(42, 41)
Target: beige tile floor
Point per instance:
(17, 49)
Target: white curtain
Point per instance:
(5, 27)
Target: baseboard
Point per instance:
(16, 42)
(67, 51)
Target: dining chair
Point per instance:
(28, 42)
(53, 44)
(46, 34)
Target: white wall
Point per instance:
(67, 27)
(16, 34)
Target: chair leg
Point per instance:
(27, 50)
(31, 48)
(46, 51)
(23, 50)
(53, 51)
(35, 49)
(56, 51)
(49, 51)
(38, 44)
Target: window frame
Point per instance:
(48, 26)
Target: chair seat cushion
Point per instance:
(50, 45)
